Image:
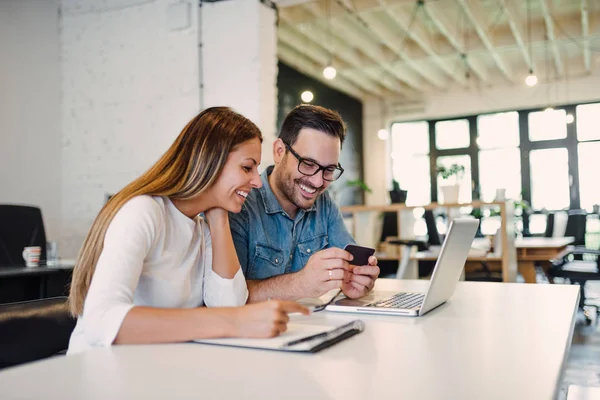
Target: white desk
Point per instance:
(491, 341)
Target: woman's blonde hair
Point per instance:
(190, 166)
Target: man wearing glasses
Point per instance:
(290, 235)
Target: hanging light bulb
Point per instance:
(569, 118)
(329, 72)
(307, 96)
(531, 79)
(383, 134)
(549, 109)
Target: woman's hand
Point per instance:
(266, 319)
(215, 216)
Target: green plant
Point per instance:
(454, 170)
(359, 184)
(395, 186)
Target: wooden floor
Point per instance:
(583, 364)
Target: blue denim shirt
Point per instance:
(269, 242)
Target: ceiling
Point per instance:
(407, 50)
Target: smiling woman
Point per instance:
(149, 261)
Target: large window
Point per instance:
(452, 134)
(499, 155)
(410, 160)
(549, 179)
(540, 156)
(547, 125)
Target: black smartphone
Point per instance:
(361, 254)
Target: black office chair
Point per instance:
(33, 330)
(575, 226)
(433, 239)
(20, 226)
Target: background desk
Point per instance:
(538, 249)
(20, 283)
(486, 343)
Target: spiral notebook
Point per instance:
(300, 337)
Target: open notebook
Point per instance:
(300, 337)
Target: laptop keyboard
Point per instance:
(400, 300)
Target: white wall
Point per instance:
(460, 103)
(30, 145)
(239, 66)
(130, 83)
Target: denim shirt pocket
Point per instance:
(268, 261)
(310, 246)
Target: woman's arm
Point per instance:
(156, 325)
(224, 257)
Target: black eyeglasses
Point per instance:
(309, 167)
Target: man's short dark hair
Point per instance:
(315, 117)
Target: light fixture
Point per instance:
(329, 72)
(531, 79)
(549, 109)
(307, 96)
(383, 134)
(569, 118)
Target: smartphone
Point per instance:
(361, 254)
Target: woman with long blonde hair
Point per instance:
(150, 262)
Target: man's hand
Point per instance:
(325, 270)
(361, 280)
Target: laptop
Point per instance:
(446, 273)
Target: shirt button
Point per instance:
(308, 250)
(277, 261)
(291, 256)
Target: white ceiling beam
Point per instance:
(374, 52)
(320, 57)
(585, 30)
(418, 34)
(448, 30)
(474, 13)
(551, 36)
(346, 53)
(516, 26)
(393, 42)
(301, 64)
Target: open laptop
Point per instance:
(446, 273)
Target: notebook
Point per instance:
(300, 337)
(446, 273)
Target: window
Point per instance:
(547, 125)
(496, 131)
(410, 160)
(549, 179)
(499, 157)
(499, 169)
(589, 166)
(464, 196)
(452, 134)
(587, 122)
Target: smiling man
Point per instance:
(290, 235)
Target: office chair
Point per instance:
(20, 226)
(570, 223)
(33, 330)
(577, 271)
(433, 239)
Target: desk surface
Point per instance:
(491, 341)
(542, 242)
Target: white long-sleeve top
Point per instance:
(153, 256)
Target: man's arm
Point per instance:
(325, 270)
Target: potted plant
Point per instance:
(451, 177)
(397, 195)
(338, 188)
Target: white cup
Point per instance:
(31, 255)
